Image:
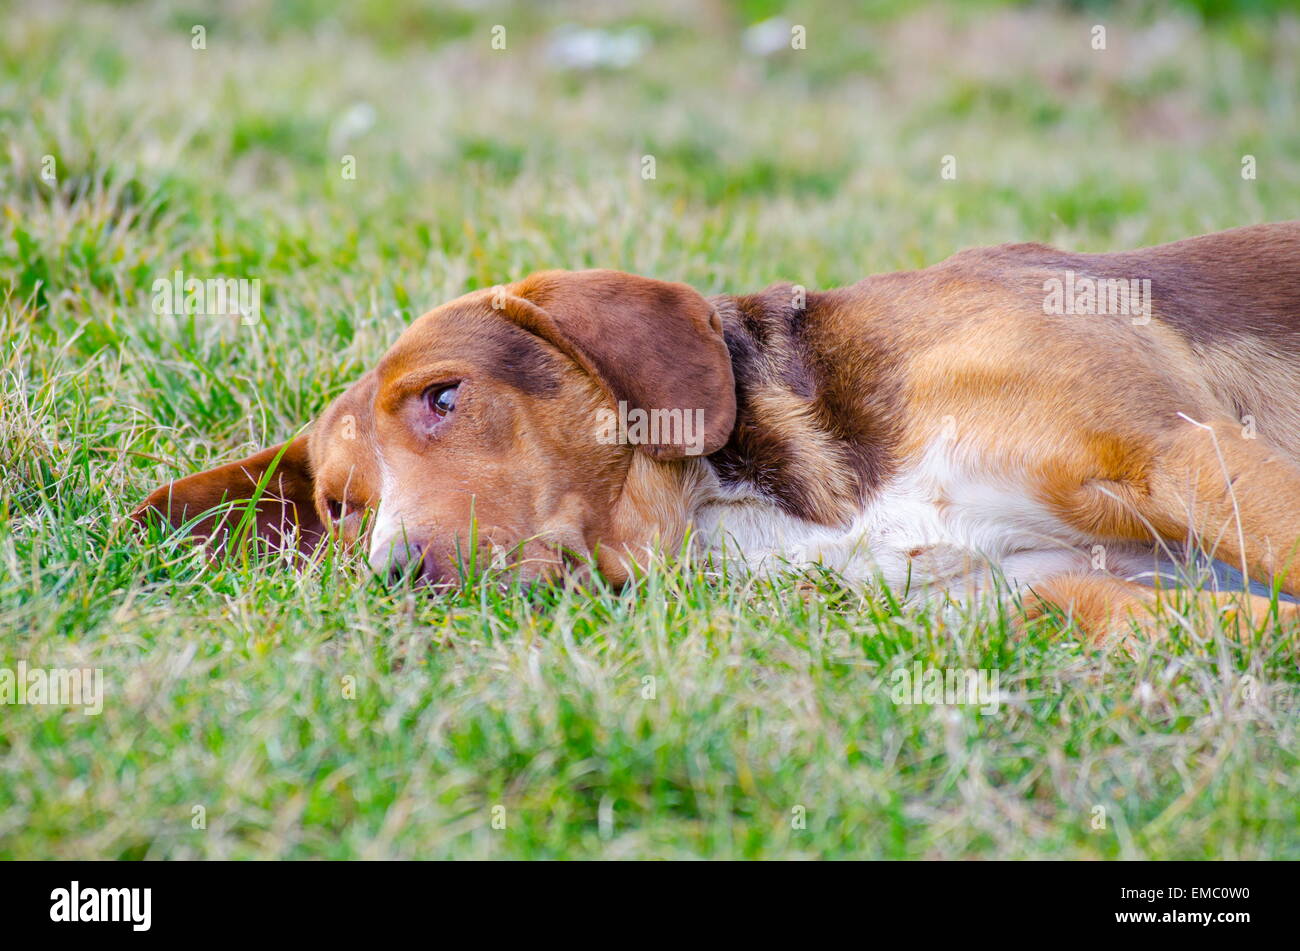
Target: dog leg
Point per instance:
(1238, 498)
(1105, 607)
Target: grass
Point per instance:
(324, 715)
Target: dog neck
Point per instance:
(808, 438)
(814, 439)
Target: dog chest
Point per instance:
(938, 524)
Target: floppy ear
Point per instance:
(285, 510)
(654, 345)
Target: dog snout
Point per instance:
(394, 560)
(429, 564)
(438, 567)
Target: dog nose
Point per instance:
(434, 567)
(439, 569)
(396, 559)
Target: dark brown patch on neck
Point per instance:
(815, 420)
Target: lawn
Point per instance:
(369, 162)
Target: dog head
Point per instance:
(528, 420)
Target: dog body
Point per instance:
(933, 429)
(992, 432)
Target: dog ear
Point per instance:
(285, 511)
(653, 345)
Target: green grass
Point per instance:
(324, 715)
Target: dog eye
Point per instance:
(337, 510)
(441, 399)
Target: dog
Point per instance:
(1060, 426)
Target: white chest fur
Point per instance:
(938, 526)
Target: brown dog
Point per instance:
(1064, 421)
